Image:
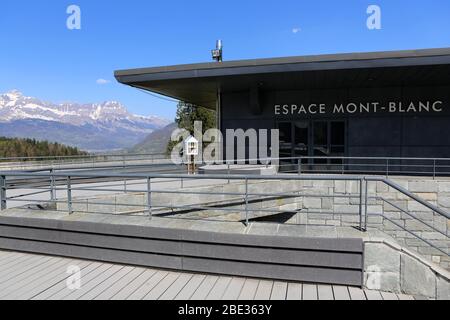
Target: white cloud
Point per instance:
(296, 30)
(102, 81)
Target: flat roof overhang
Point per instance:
(199, 83)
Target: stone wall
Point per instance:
(336, 203)
(331, 203)
(389, 267)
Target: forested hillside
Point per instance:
(13, 147)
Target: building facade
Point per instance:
(383, 104)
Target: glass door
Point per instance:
(301, 134)
(328, 142)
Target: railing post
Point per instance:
(246, 202)
(229, 172)
(52, 186)
(300, 166)
(149, 198)
(387, 168)
(361, 197)
(366, 201)
(125, 185)
(3, 205)
(69, 195)
(434, 169)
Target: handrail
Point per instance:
(185, 176)
(411, 195)
(70, 177)
(231, 177)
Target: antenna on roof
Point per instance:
(217, 53)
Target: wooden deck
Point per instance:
(37, 277)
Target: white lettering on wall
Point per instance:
(360, 108)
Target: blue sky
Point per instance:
(42, 58)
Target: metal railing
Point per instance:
(177, 196)
(77, 162)
(385, 166)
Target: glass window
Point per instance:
(338, 133)
(285, 132)
(301, 138)
(320, 133)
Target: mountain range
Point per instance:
(92, 127)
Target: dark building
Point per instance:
(383, 104)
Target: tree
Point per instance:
(187, 115)
(15, 147)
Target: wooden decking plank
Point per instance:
(106, 284)
(27, 273)
(389, 296)
(119, 285)
(176, 287)
(248, 291)
(234, 289)
(294, 291)
(341, 293)
(189, 289)
(373, 295)
(11, 257)
(205, 288)
(21, 267)
(162, 286)
(279, 291)
(264, 290)
(310, 292)
(37, 277)
(134, 285)
(51, 279)
(325, 292)
(3, 253)
(13, 263)
(356, 293)
(94, 281)
(85, 279)
(47, 293)
(146, 287)
(46, 279)
(219, 288)
(8, 254)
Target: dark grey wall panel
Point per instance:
(91, 253)
(195, 249)
(373, 134)
(291, 273)
(136, 231)
(336, 261)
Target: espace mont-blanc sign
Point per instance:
(353, 108)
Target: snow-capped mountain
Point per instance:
(102, 126)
